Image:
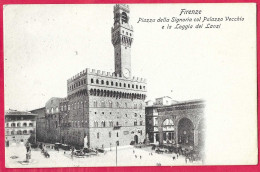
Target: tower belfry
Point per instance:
(122, 38)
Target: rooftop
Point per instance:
(88, 71)
(16, 112)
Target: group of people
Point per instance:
(136, 156)
(44, 152)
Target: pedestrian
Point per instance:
(135, 156)
(152, 154)
(173, 158)
(177, 155)
(133, 151)
(140, 157)
(186, 160)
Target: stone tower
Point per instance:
(122, 38)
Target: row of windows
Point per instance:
(110, 123)
(19, 132)
(97, 124)
(52, 110)
(19, 125)
(117, 84)
(116, 94)
(118, 105)
(77, 84)
(109, 134)
(102, 104)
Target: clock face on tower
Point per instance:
(126, 73)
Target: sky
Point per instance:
(47, 44)
(44, 45)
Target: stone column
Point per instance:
(154, 137)
(176, 135)
(160, 135)
(196, 139)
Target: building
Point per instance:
(179, 123)
(151, 116)
(166, 100)
(40, 127)
(19, 126)
(101, 109)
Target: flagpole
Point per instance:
(116, 154)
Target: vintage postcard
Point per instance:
(96, 85)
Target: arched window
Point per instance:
(30, 124)
(12, 132)
(133, 86)
(112, 83)
(102, 82)
(102, 104)
(128, 85)
(120, 84)
(110, 123)
(92, 81)
(124, 18)
(97, 81)
(13, 125)
(95, 103)
(31, 131)
(24, 131)
(135, 122)
(136, 86)
(19, 124)
(116, 84)
(124, 85)
(103, 124)
(95, 124)
(117, 105)
(57, 109)
(19, 132)
(107, 83)
(110, 104)
(24, 124)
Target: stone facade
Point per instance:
(101, 109)
(40, 127)
(19, 126)
(179, 123)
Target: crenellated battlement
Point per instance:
(100, 73)
(122, 6)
